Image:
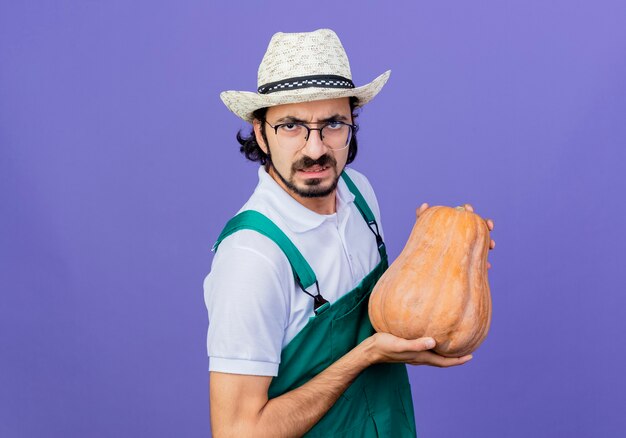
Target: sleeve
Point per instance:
(247, 304)
(367, 191)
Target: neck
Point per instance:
(325, 205)
(320, 205)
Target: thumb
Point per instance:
(422, 344)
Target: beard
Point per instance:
(314, 188)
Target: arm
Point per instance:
(240, 405)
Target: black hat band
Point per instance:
(318, 81)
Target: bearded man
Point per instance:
(291, 347)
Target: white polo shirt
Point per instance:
(255, 307)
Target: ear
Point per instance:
(256, 124)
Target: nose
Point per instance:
(314, 147)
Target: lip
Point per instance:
(314, 174)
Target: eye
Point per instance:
(289, 126)
(334, 125)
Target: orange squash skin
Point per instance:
(438, 285)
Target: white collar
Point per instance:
(296, 216)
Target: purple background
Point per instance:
(118, 168)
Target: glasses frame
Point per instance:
(353, 130)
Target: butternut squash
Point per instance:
(438, 285)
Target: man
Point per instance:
(291, 347)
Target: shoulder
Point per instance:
(249, 267)
(358, 178)
(247, 253)
(366, 189)
(362, 183)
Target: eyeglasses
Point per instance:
(294, 135)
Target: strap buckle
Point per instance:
(320, 304)
(375, 230)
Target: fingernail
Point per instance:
(430, 343)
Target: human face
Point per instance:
(313, 170)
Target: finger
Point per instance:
(452, 362)
(488, 265)
(446, 362)
(492, 244)
(490, 224)
(468, 207)
(421, 209)
(433, 359)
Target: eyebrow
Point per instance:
(292, 119)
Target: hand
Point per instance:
(468, 207)
(385, 347)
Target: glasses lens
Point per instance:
(336, 135)
(291, 135)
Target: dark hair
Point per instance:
(253, 152)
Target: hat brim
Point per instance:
(244, 103)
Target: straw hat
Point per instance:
(301, 67)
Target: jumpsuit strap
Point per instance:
(367, 214)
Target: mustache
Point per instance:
(305, 162)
